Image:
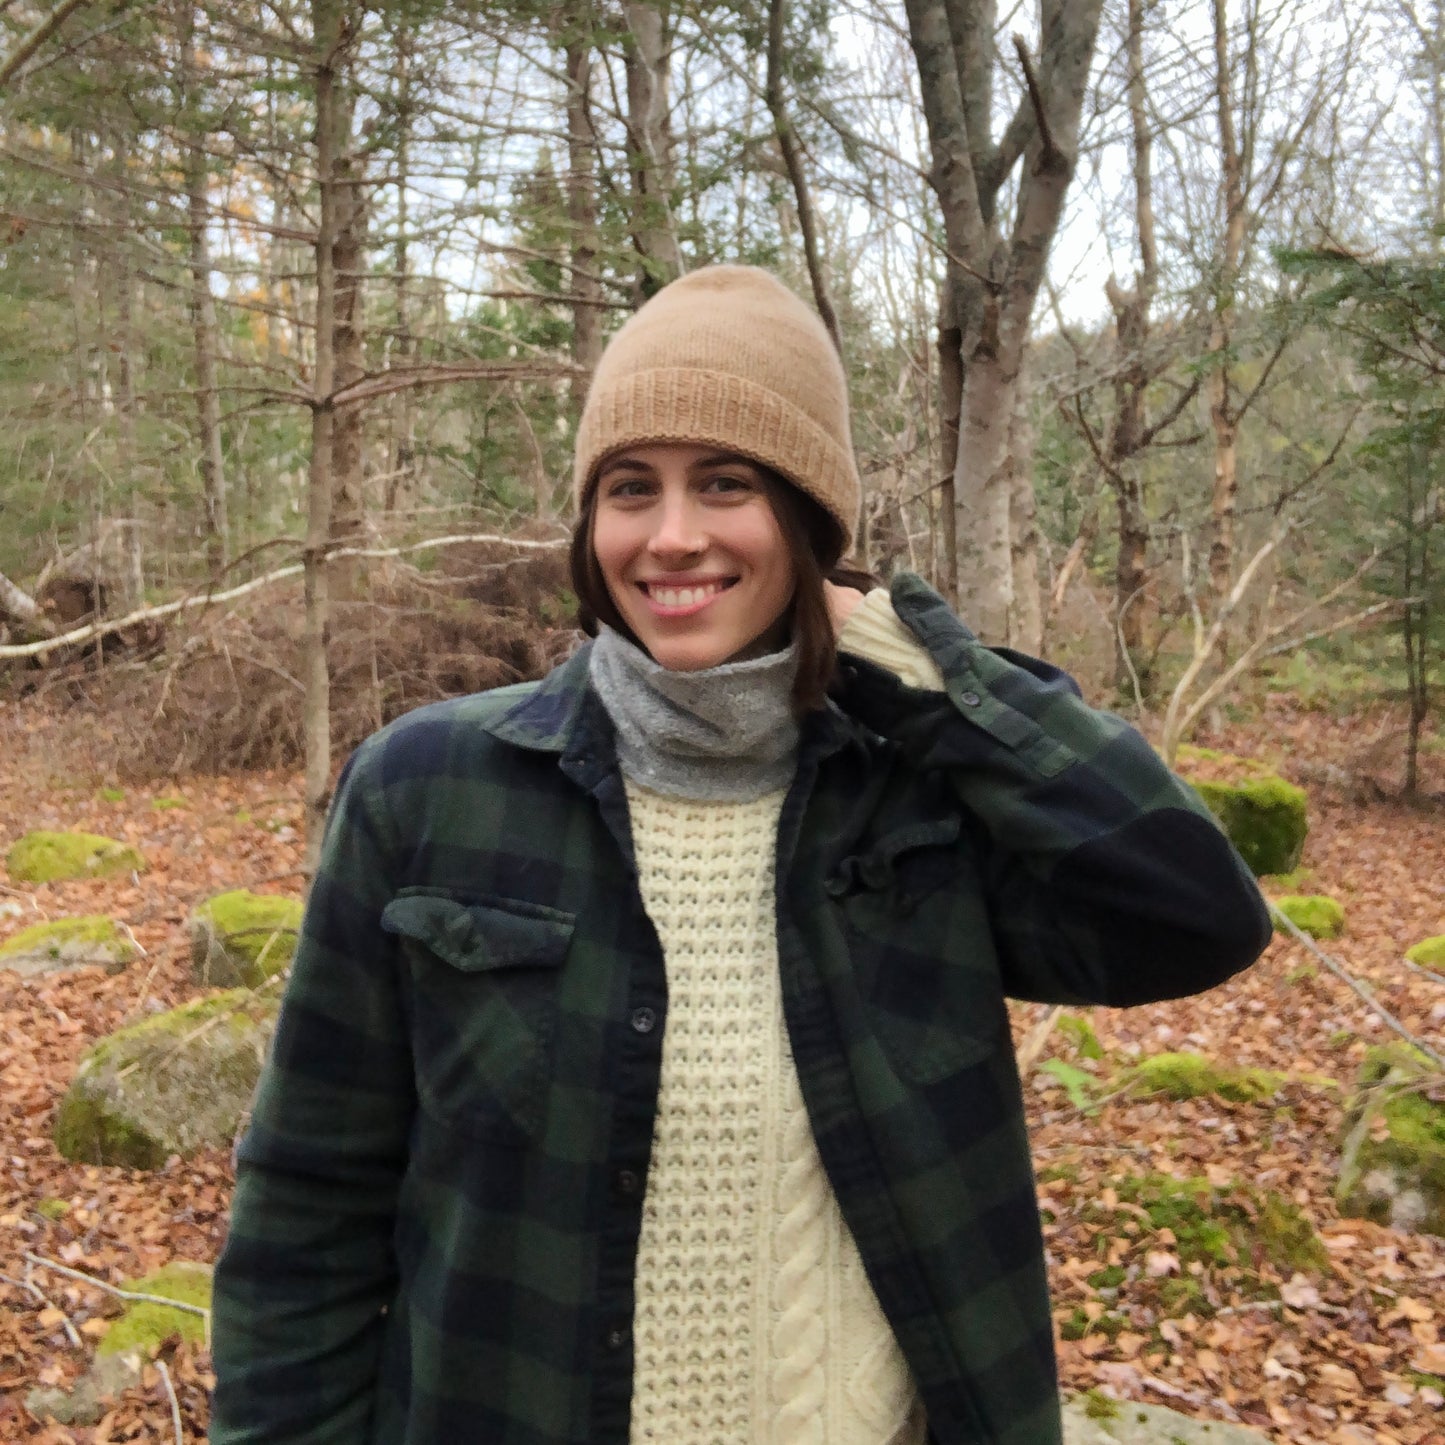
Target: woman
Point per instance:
(644, 1072)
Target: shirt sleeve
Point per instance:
(873, 632)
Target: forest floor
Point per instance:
(1348, 1350)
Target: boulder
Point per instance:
(172, 1084)
(85, 1402)
(1266, 818)
(1314, 913)
(43, 857)
(1428, 953)
(67, 944)
(243, 938)
(1392, 1166)
(1096, 1419)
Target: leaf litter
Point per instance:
(1196, 1257)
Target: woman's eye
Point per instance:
(729, 484)
(628, 488)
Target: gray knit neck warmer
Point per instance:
(724, 734)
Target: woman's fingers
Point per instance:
(841, 602)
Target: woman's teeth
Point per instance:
(682, 596)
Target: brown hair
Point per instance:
(815, 541)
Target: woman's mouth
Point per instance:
(668, 599)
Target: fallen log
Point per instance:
(19, 608)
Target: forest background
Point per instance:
(1143, 311)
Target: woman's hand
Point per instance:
(841, 602)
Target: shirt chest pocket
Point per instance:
(916, 923)
(483, 977)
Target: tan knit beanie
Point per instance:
(727, 356)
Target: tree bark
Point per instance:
(582, 215)
(1026, 617)
(649, 140)
(348, 441)
(19, 608)
(992, 283)
(205, 333)
(328, 20)
(401, 471)
(1222, 417)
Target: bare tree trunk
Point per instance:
(950, 402)
(329, 25)
(401, 470)
(582, 215)
(1026, 617)
(993, 283)
(205, 333)
(649, 139)
(20, 608)
(349, 422)
(1222, 416)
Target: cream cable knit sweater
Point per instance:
(754, 1322)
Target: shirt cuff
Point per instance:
(874, 633)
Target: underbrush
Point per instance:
(225, 691)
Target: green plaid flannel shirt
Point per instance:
(438, 1201)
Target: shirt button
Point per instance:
(644, 1020)
(628, 1181)
(615, 1338)
(970, 699)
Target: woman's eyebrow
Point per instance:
(624, 464)
(725, 459)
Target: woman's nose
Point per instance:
(678, 531)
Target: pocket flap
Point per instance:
(480, 936)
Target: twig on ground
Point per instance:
(175, 1403)
(1300, 936)
(125, 1294)
(71, 1333)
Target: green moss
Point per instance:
(1184, 1295)
(1236, 1227)
(1429, 953)
(1080, 1032)
(1075, 1325)
(1288, 882)
(1426, 1382)
(43, 857)
(152, 1090)
(1397, 1179)
(1110, 1277)
(91, 935)
(243, 937)
(1301, 973)
(1316, 914)
(162, 805)
(111, 795)
(1341, 1039)
(144, 1326)
(1266, 819)
(52, 1209)
(1192, 1076)
(1099, 1406)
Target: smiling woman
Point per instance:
(644, 1073)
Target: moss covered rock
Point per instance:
(1266, 818)
(1392, 1168)
(144, 1325)
(243, 938)
(173, 1084)
(48, 857)
(1428, 953)
(1096, 1419)
(1314, 913)
(1192, 1076)
(67, 943)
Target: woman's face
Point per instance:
(692, 553)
